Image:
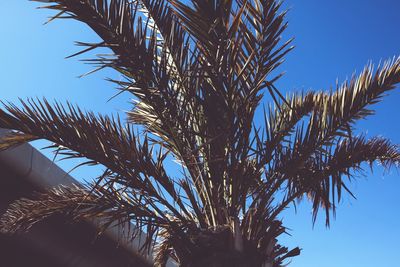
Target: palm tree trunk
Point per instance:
(221, 259)
(223, 247)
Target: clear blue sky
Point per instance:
(333, 39)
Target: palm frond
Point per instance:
(280, 124)
(104, 207)
(24, 213)
(13, 139)
(306, 135)
(114, 22)
(340, 110)
(325, 178)
(172, 36)
(334, 115)
(321, 176)
(102, 140)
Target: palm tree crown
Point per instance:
(198, 70)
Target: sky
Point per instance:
(333, 40)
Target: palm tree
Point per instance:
(198, 70)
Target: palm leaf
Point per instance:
(105, 208)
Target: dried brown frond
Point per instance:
(73, 201)
(75, 133)
(315, 140)
(13, 139)
(104, 206)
